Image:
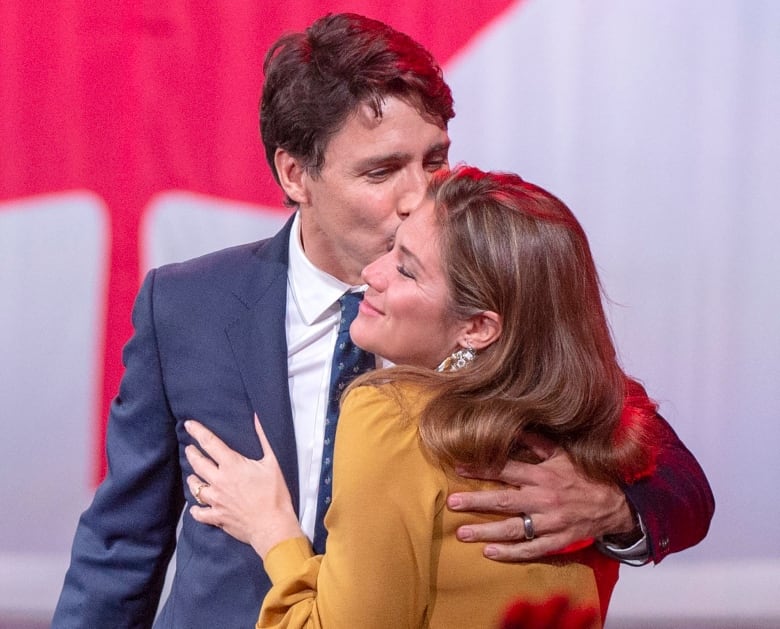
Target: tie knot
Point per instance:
(349, 303)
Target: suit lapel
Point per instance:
(259, 343)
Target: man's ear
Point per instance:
(291, 176)
(481, 330)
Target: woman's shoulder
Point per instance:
(388, 399)
(378, 432)
(383, 413)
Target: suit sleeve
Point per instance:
(675, 502)
(125, 539)
(377, 568)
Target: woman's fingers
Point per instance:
(208, 441)
(201, 465)
(268, 451)
(198, 488)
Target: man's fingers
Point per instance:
(509, 530)
(509, 500)
(515, 473)
(540, 446)
(522, 551)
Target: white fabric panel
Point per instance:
(52, 252)
(659, 124)
(179, 225)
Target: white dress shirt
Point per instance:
(312, 322)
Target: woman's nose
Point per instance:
(373, 275)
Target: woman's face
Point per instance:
(404, 316)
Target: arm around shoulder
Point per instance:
(675, 502)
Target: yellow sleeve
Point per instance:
(386, 497)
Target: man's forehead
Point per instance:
(370, 116)
(401, 135)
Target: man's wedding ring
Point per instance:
(528, 526)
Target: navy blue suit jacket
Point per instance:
(210, 344)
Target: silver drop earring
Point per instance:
(458, 359)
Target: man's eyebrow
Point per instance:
(382, 160)
(439, 147)
(399, 157)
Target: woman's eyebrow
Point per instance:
(405, 250)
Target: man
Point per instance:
(354, 118)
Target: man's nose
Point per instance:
(415, 188)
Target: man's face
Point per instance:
(404, 316)
(375, 172)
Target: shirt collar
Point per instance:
(314, 291)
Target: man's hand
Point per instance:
(567, 508)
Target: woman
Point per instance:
(489, 305)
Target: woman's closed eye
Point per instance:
(405, 272)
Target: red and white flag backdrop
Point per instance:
(130, 102)
(129, 138)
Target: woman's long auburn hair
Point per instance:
(510, 247)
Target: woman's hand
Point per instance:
(248, 499)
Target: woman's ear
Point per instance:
(481, 330)
(291, 176)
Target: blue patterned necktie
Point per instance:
(349, 361)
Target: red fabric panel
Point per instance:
(130, 99)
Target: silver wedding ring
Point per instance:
(528, 526)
